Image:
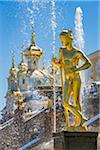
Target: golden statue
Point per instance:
(68, 61)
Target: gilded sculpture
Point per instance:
(68, 62)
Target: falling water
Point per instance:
(31, 12)
(79, 33)
(53, 24)
(30, 9)
(79, 36)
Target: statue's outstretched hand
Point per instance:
(56, 62)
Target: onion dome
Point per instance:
(32, 54)
(12, 79)
(13, 70)
(22, 66)
(19, 99)
(33, 49)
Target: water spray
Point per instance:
(79, 32)
(53, 24)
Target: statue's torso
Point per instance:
(69, 60)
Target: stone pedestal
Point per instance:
(75, 140)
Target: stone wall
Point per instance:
(20, 132)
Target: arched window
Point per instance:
(23, 81)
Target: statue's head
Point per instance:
(66, 37)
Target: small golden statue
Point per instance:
(69, 57)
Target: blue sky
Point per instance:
(14, 18)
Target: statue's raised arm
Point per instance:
(56, 62)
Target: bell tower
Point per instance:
(8, 111)
(14, 94)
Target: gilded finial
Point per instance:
(13, 71)
(33, 39)
(43, 65)
(22, 58)
(13, 59)
(22, 66)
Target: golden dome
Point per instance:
(18, 93)
(22, 66)
(33, 49)
(13, 70)
(20, 99)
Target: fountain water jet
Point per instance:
(53, 24)
(79, 33)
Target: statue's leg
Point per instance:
(67, 92)
(76, 91)
(66, 97)
(76, 96)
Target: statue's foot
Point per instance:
(71, 128)
(80, 121)
(80, 125)
(77, 121)
(80, 128)
(83, 121)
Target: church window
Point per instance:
(23, 81)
